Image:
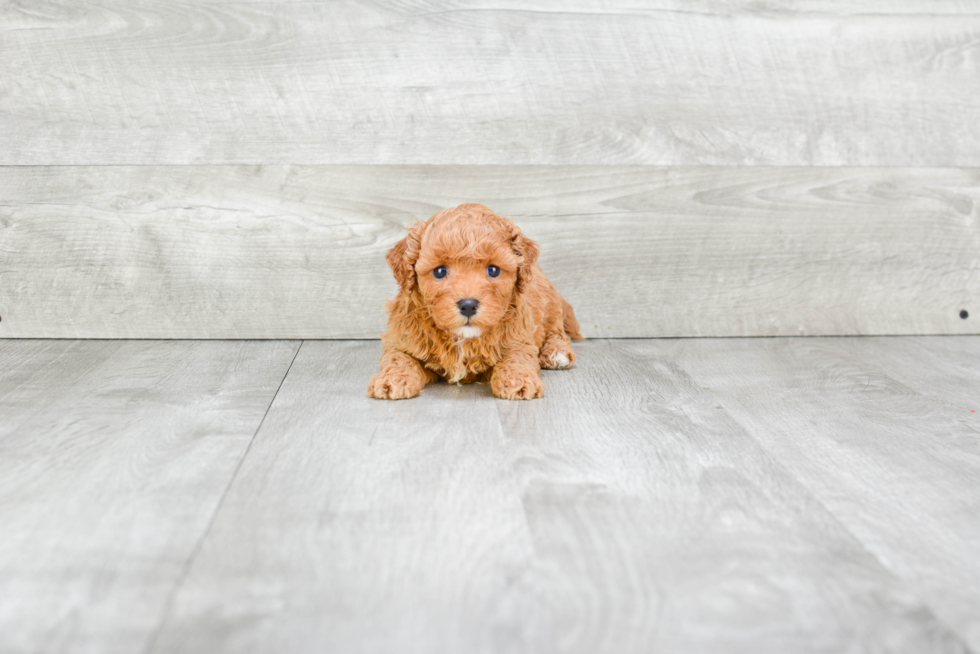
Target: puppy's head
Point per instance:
(467, 264)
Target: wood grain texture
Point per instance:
(881, 432)
(624, 512)
(36, 374)
(113, 459)
(458, 82)
(298, 251)
(363, 525)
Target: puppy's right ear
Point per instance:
(403, 255)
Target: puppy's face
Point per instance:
(467, 285)
(468, 266)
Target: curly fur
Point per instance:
(522, 323)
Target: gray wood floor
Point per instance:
(715, 495)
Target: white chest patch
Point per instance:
(468, 331)
(462, 334)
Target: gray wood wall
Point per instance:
(237, 169)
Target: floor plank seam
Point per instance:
(775, 462)
(189, 563)
(814, 496)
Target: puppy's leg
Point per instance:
(402, 376)
(517, 377)
(556, 351)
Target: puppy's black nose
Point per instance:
(468, 306)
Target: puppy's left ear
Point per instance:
(403, 255)
(527, 250)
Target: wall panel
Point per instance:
(510, 83)
(298, 251)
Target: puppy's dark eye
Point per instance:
(493, 271)
(439, 272)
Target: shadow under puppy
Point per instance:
(473, 306)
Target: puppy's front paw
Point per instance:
(386, 386)
(517, 386)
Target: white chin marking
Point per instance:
(559, 360)
(468, 331)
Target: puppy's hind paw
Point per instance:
(557, 361)
(392, 387)
(556, 358)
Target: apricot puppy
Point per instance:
(472, 306)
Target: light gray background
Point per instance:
(216, 169)
(238, 169)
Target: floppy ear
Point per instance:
(403, 255)
(527, 250)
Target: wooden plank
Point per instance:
(298, 251)
(358, 524)
(108, 485)
(623, 513)
(881, 431)
(36, 374)
(648, 500)
(942, 368)
(458, 82)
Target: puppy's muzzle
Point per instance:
(468, 307)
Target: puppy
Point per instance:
(472, 307)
